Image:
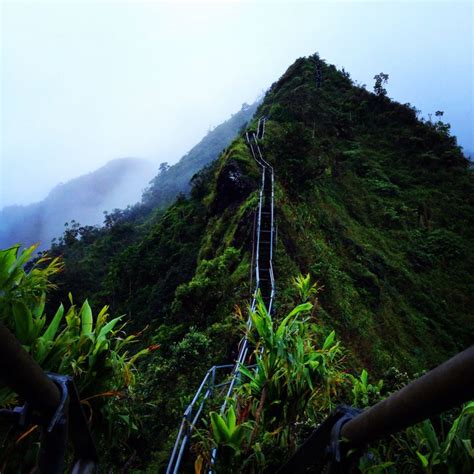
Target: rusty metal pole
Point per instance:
(22, 374)
(446, 386)
(56, 401)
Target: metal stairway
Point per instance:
(264, 283)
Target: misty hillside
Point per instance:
(84, 199)
(176, 179)
(372, 202)
(114, 187)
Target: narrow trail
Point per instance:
(264, 283)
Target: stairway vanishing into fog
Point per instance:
(264, 238)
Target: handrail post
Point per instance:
(24, 376)
(346, 430)
(55, 398)
(446, 386)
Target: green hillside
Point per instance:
(376, 205)
(176, 179)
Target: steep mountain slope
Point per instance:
(84, 199)
(176, 179)
(118, 184)
(375, 204)
(379, 207)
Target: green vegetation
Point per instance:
(299, 376)
(373, 204)
(378, 206)
(175, 179)
(94, 349)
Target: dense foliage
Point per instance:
(92, 348)
(374, 203)
(378, 205)
(299, 376)
(175, 179)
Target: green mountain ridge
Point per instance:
(375, 204)
(84, 199)
(176, 179)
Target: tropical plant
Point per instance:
(306, 289)
(295, 381)
(453, 452)
(365, 394)
(93, 349)
(230, 436)
(442, 445)
(90, 348)
(18, 287)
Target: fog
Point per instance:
(83, 199)
(83, 83)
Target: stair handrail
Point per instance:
(187, 425)
(243, 353)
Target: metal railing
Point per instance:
(191, 416)
(265, 226)
(449, 385)
(52, 402)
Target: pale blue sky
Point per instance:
(85, 82)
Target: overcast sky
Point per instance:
(85, 82)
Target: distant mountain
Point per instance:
(176, 179)
(117, 184)
(375, 204)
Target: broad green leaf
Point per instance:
(86, 319)
(139, 354)
(329, 340)
(308, 378)
(101, 318)
(423, 459)
(301, 308)
(15, 263)
(468, 409)
(430, 435)
(72, 320)
(282, 327)
(23, 322)
(237, 437)
(39, 308)
(52, 329)
(243, 370)
(467, 443)
(25, 255)
(231, 419)
(109, 327)
(7, 260)
(219, 428)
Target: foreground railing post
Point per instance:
(53, 402)
(447, 386)
(24, 376)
